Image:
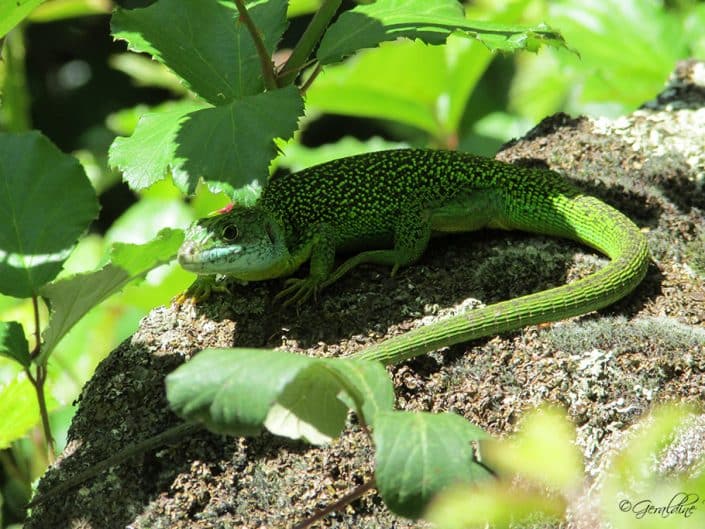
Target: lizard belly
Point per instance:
(468, 212)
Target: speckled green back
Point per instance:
(363, 195)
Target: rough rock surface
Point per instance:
(607, 369)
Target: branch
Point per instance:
(141, 447)
(265, 59)
(314, 32)
(336, 506)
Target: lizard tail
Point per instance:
(578, 217)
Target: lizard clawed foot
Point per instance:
(297, 291)
(200, 290)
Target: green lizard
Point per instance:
(386, 205)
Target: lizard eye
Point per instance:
(229, 233)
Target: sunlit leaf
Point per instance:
(204, 42)
(367, 25)
(543, 451)
(240, 391)
(13, 11)
(232, 143)
(46, 202)
(409, 82)
(72, 297)
(497, 505)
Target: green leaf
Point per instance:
(19, 410)
(624, 55)
(420, 454)
(147, 155)
(296, 157)
(238, 391)
(71, 298)
(146, 72)
(437, 82)
(204, 42)
(366, 26)
(543, 451)
(13, 343)
(497, 505)
(13, 11)
(62, 9)
(144, 219)
(46, 202)
(232, 143)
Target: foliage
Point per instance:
(632, 480)
(627, 50)
(432, 98)
(13, 11)
(240, 391)
(221, 131)
(47, 202)
(438, 466)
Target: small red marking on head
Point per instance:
(226, 209)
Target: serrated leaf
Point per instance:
(204, 42)
(46, 202)
(147, 155)
(232, 143)
(238, 391)
(13, 11)
(72, 297)
(13, 343)
(420, 454)
(367, 25)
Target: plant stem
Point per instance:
(37, 333)
(308, 40)
(38, 383)
(265, 58)
(342, 502)
(318, 69)
(141, 447)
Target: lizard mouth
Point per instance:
(195, 259)
(234, 261)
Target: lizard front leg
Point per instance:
(320, 249)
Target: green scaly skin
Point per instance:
(386, 205)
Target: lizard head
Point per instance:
(244, 243)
